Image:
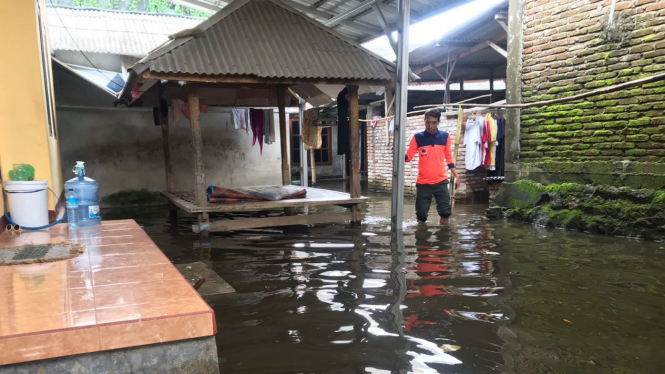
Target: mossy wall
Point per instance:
(602, 209)
(569, 48)
(597, 164)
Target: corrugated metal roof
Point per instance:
(115, 32)
(266, 39)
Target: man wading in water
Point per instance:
(434, 148)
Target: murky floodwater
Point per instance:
(480, 296)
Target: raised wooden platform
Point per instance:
(315, 196)
(185, 200)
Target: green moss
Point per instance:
(133, 198)
(644, 121)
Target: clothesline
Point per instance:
(600, 91)
(459, 102)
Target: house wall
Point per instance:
(24, 127)
(122, 148)
(380, 161)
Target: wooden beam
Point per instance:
(283, 136)
(312, 161)
(502, 51)
(354, 140)
(197, 144)
(491, 85)
(252, 223)
(350, 12)
(247, 79)
(503, 24)
(474, 49)
(166, 145)
(323, 15)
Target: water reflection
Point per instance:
(477, 297)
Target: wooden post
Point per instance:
(311, 157)
(283, 136)
(170, 182)
(354, 140)
(461, 89)
(448, 92)
(491, 85)
(197, 143)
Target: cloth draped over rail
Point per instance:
(260, 121)
(222, 195)
(310, 133)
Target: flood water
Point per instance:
(479, 296)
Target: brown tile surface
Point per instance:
(121, 292)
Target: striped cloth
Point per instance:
(221, 195)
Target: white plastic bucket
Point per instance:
(28, 202)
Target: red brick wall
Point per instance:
(380, 160)
(569, 48)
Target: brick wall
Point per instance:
(380, 161)
(569, 48)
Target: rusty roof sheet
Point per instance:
(267, 39)
(115, 32)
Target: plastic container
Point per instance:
(87, 191)
(72, 209)
(28, 202)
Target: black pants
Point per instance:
(424, 193)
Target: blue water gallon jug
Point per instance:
(87, 190)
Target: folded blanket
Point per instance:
(221, 195)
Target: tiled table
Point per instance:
(122, 292)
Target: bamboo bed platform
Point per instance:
(185, 200)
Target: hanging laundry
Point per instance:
(343, 122)
(256, 123)
(311, 134)
(178, 107)
(486, 139)
(373, 122)
(240, 118)
(181, 107)
(268, 125)
(499, 170)
(492, 145)
(391, 127)
(473, 142)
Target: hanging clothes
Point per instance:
(391, 128)
(343, 122)
(240, 119)
(373, 123)
(473, 142)
(310, 135)
(181, 107)
(268, 126)
(486, 139)
(256, 123)
(499, 170)
(492, 150)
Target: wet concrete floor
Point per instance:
(476, 297)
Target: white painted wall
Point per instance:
(122, 148)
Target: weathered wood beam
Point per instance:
(197, 144)
(246, 79)
(354, 140)
(283, 136)
(502, 51)
(252, 223)
(166, 146)
(471, 50)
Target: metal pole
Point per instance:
(400, 117)
(303, 152)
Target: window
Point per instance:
(322, 156)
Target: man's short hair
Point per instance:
(434, 113)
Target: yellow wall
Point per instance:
(24, 134)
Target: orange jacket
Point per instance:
(434, 150)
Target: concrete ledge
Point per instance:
(185, 356)
(618, 173)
